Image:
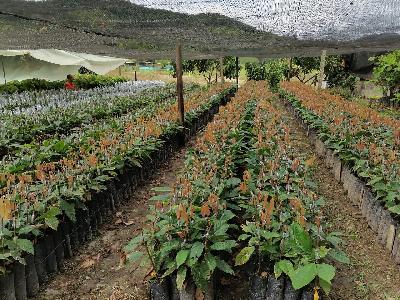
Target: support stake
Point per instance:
(179, 84)
(221, 65)
(237, 71)
(4, 72)
(322, 69)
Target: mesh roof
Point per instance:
(208, 28)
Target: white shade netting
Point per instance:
(51, 64)
(151, 28)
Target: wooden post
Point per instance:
(179, 83)
(135, 76)
(120, 71)
(237, 71)
(4, 72)
(322, 69)
(290, 69)
(221, 65)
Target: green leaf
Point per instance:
(221, 246)
(326, 286)
(224, 266)
(163, 197)
(339, 256)
(302, 238)
(162, 189)
(180, 277)
(326, 272)
(25, 245)
(395, 209)
(195, 253)
(135, 256)
(211, 261)
(201, 275)
(303, 275)
(243, 237)
(69, 209)
(181, 257)
(283, 266)
(52, 222)
(244, 256)
(268, 235)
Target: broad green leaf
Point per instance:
(243, 237)
(326, 272)
(162, 189)
(226, 245)
(211, 261)
(268, 235)
(244, 256)
(195, 252)
(163, 197)
(69, 209)
(180, 277)
(395, 209)
(283, 266)
(25, 245)
(201, 275)
(135, 256)
(181, 257)
(224, 266)
(326, 286)
(339, 256)
(134, 243)
(52, 222)
(302, 238)
(303, 275)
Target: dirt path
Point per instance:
(94, 273)
(372, 274)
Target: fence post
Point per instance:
(179, 83)
(322, 69)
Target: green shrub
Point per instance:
(387, 72)
(273, 71)
(86, 81)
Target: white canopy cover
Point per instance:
(51, 64)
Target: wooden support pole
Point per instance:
(120, 71)
(237, 71)
(322, 69)
(290, 69)
(135, 76)
(179, 83)
(221, 66)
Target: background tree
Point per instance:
(274, 71)
(303, 66)
(387, 72)
(208, 67)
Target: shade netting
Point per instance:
(209, 28)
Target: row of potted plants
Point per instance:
(245, 198)
(18, 129)
(32, 202)
(368, 142)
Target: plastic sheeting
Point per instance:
(51, 64)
